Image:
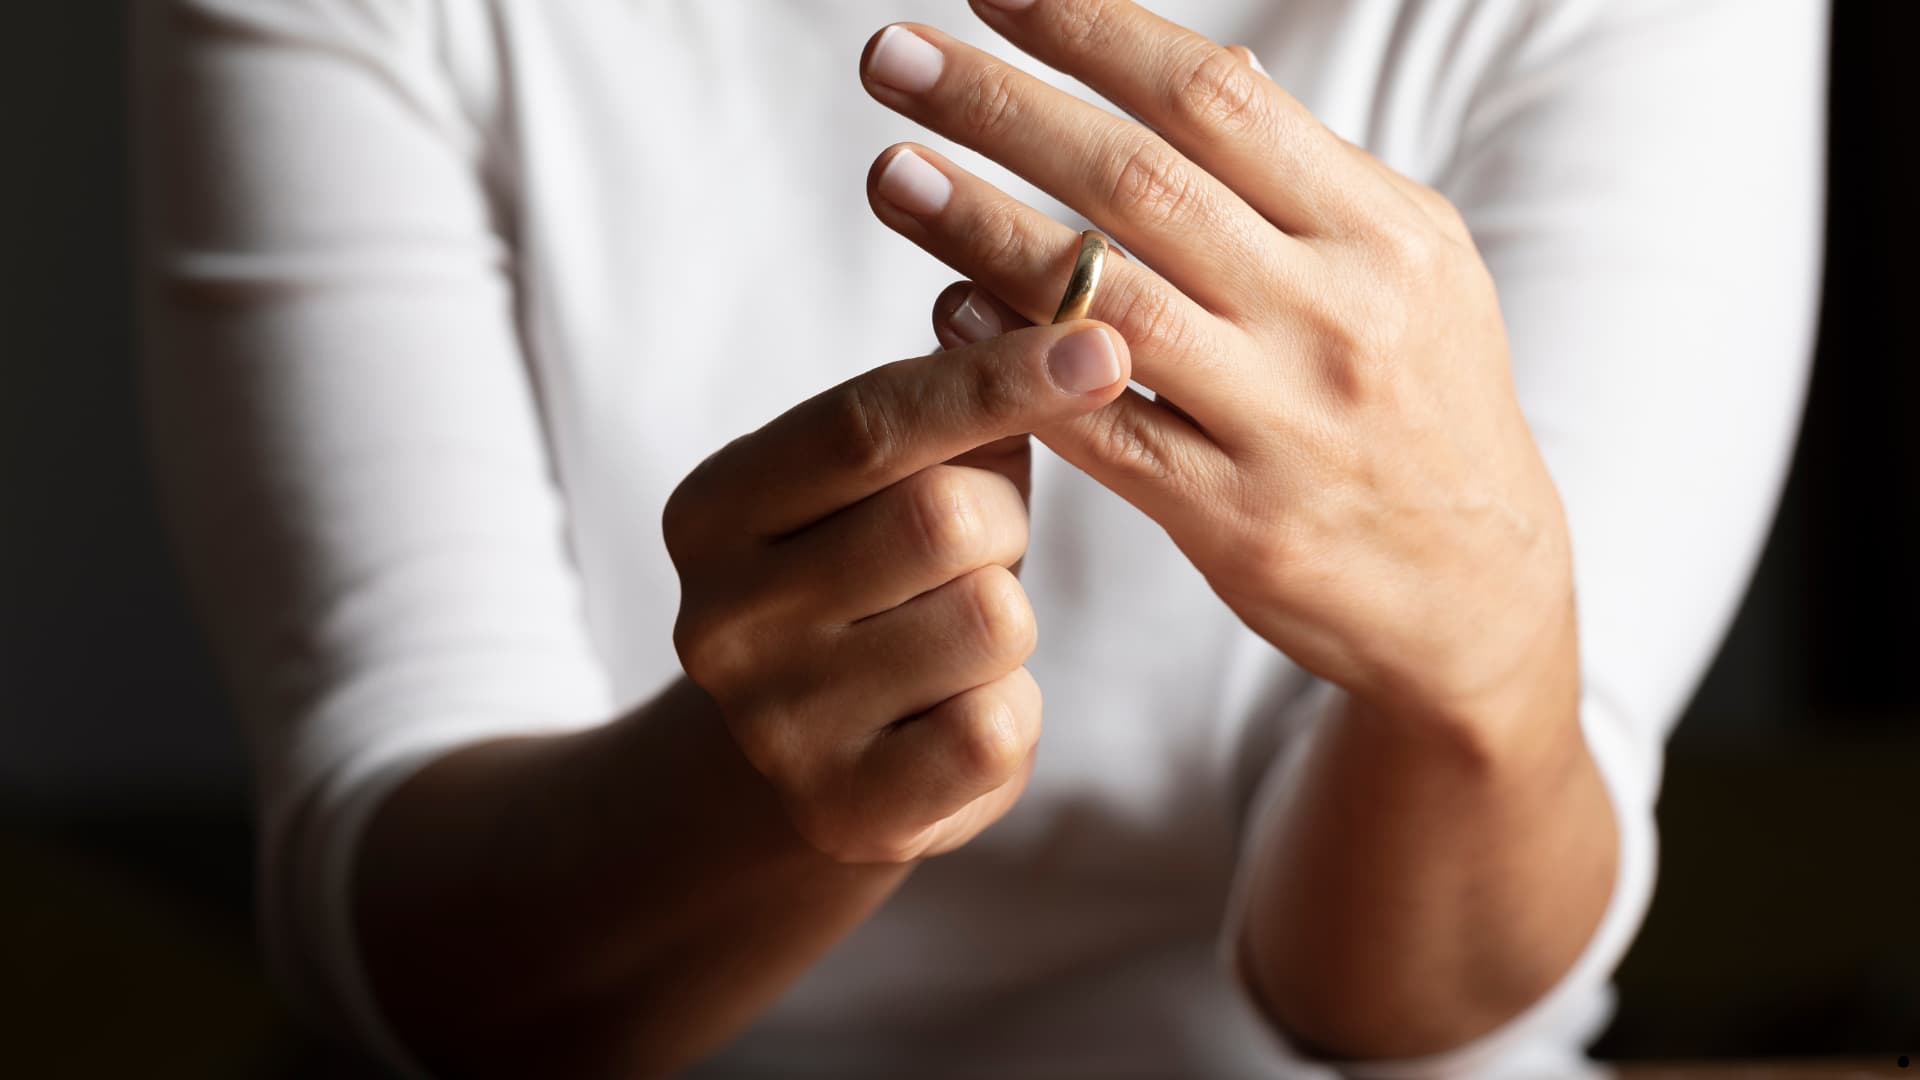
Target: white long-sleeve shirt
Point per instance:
(443, 304)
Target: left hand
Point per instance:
(1347, 463)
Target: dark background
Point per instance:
(1787, 920)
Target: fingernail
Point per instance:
(1257, 65)
(911, 184)
(1011, 5)
(1083, 362)
(905, 61)
(975, 320)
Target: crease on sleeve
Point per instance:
(345, 439)
(313, 836)
(369, 730)
(1548, 1037)
(307, 885)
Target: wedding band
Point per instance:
(1084, 279)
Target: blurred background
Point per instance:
(1787, 920)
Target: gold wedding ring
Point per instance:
(1084, 279)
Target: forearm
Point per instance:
(616, 902)
(1416, 888)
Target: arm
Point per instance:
(1613, 175)
(1410, 891)
(464, 862)
(613, 902)
(623, 900)
(344, 435)
(1370, 449)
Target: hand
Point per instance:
(847, 597)
(1347, 462)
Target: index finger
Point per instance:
(880, 427)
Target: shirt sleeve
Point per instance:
(1644, 180)
(345, 428)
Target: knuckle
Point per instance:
(996, 395)
(1443, 218)
(688, 516)
(1126, 443)
(1152, 185)
(1411, 247)
(861, 435)
(1149, 320)
(894, 849)
(776, 758)
(847, 837)
(774, 741)
(714, 649)
(699, 648)
(676, 524)
(825, 832)
(1002, 617)
(989, 103)
(991, 742)
(1082, 25)
(1218, 93)
(1003, 237)
(946, 516)
(879, 853)
(1358, 355)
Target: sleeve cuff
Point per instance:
(307, 883)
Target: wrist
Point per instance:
(741, 811)
(1528, 714)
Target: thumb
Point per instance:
(1132, 444)
(965, 315)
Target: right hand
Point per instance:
(847, 597)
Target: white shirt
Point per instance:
(444, 303)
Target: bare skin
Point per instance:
(854, 636)
(1347, 465)
(1337, 446)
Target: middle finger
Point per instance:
(1022, 256)
(1123, 177)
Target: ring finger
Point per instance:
(1023, 256)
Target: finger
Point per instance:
(1204, 99)
(927, 768)
(1011, 457)
(1146, 450)
(857, 680)
(902, 662)
(1438, 209)
(1022, 256)
(875, 429)
(941, 523)
(1123, 177)
(1247, 57)
(963, 315)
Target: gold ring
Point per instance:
(1084, 279)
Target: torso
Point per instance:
(648, 155)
